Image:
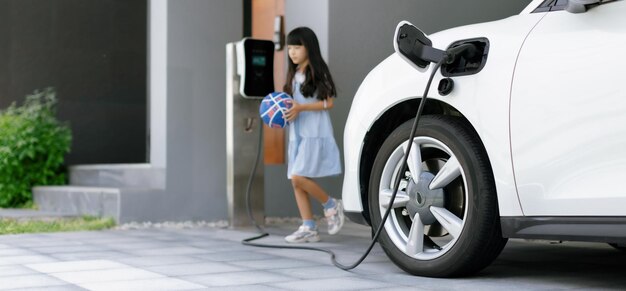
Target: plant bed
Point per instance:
(53, 224)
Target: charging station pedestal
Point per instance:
(243, 97)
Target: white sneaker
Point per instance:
(335, 217)
(303, 234)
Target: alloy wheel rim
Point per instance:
(426, 220)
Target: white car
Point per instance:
(523, 138)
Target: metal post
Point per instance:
(242, 140)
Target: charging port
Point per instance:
(467, 65)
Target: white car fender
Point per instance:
(482, 99)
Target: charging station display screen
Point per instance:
(258, 60)
(258, 77)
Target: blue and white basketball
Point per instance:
(273, 108)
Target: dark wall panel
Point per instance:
(94, 54)
(4, 51)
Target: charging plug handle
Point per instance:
(466, 50)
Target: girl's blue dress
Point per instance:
(312, 150)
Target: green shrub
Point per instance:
(33, 144)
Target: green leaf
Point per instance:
(33, 144)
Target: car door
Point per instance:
(568, 114)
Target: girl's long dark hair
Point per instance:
(318, 79)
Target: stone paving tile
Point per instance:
(79, 235)
(171, 239)
(371, 268)
(138, 244)
(141, 233)
(255, 287)
(403, 288)
(149, 284)
(343, 257)
(342, 283)
(17, 238)
(53, 288)
(106, 275)
(68, 249)
(29, 281)
(169, 250)
(194, 269)
(16, 270)
(210, 244)
(308, 255)
(218, 261)
(476, 283)
(405, 279)
(18, 260)
(71, 266)
(15, 252)
(553, 281)
(274, 264)
(207, 234)
(350, 258)
(233, 235)
(116, 240)
(158, 260)
(318, 272)
(104, 255)
(216, 250)
(54, 243)
(233, 256)
(238, 278)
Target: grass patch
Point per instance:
(14, 226)
(28, 205)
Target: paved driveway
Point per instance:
(213, 258)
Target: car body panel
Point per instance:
(482, 98)
(545, 100)
(568, 121)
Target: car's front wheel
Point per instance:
(444, 221)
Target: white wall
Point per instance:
(157, 81)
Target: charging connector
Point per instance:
(466, 50)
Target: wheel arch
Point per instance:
(385, 125)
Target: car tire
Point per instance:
(452, 229)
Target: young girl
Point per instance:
(312, 149)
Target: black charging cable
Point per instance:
(333, 256)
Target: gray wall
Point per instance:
(357, 37)
(198, 31)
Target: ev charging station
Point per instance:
(249, 77)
